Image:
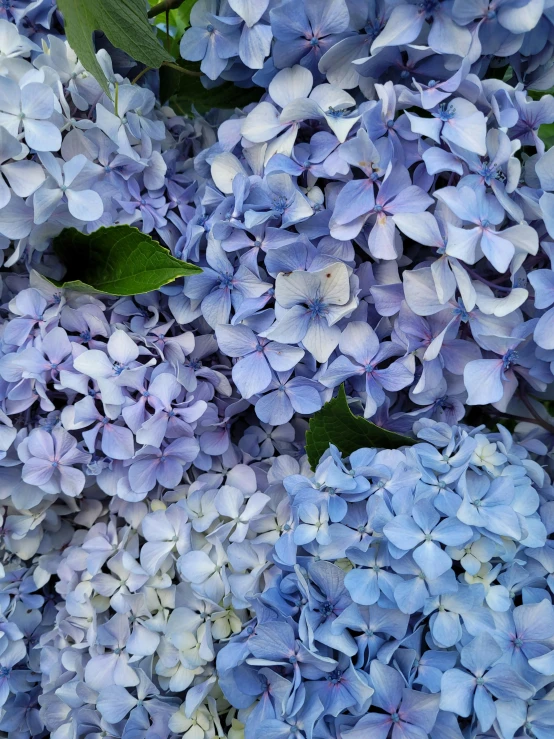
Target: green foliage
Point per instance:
(116, 260)
(546, 133)
(124, 22)
(336, 424)
(182, 91)
(183, 11)
(179, 18)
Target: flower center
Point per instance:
(510, 358)
(446, 111)
(336, 112)
(280, 205)
(317, 307)
(226, 281)
(335, 676)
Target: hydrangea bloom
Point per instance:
(381, 218)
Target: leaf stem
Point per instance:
(167, 36)
(493, 285)
(521, 419)
(538, 420)
(163, 7)
(141, 74)
(189, 72)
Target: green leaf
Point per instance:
(183, 11)
(124, 22)
(179, 19)
(537, 94)
(546, 133)
(183, 91)
(336, 424)
(116, 260)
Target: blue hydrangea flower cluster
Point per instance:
(382, 219)
(408, 596)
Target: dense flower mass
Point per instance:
(382, 219)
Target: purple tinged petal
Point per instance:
(321, 339)
(303, 396)
(252, 374)
(235, 341)
(411, 200)
(41, 445)
(359, 340)
(381, 240)
(483, 381)
(543, 284)
(117, 442)
(356, 199)
(72, 481)
(338, 371)
(282, 357)
(275, 408)
(170, 472)
(37, 471)
(403, 27)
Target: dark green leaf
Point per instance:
(537, 93)
(124, 22)
(336, 424)
(118, 260)
(183, 91)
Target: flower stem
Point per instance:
(189, 72)
(163, 7)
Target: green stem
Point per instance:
(163, 7)
(189, 72)
(141, 74)
(167, 36)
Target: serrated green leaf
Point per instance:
(183, 91)
(116, 260)
(124, 22)
(336, 424)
